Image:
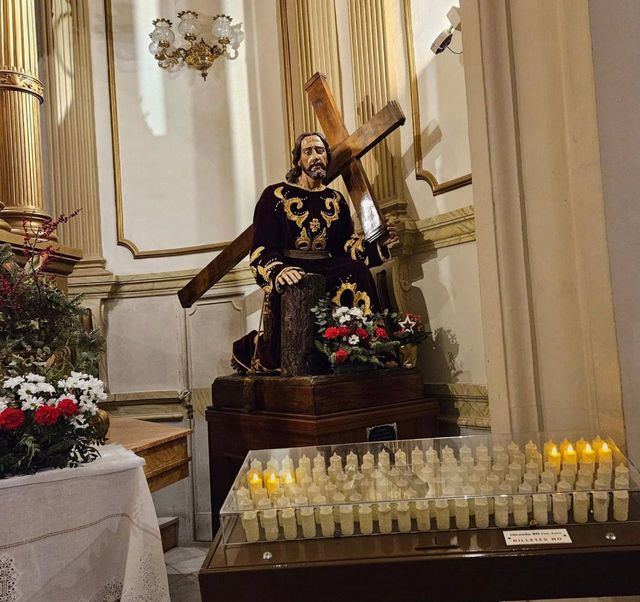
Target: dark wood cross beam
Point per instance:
(346, 151)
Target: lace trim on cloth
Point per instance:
(151, 589)
(8, 579)
(109, 592)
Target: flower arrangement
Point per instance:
(349, 338)
(409, 328)
(45, 425)
(41, 328)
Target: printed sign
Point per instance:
(536, 537)
(383, 432)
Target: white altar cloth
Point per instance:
(87, 533)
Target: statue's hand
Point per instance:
(392, 238)
(290, 276)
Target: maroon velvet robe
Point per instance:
(288, 218)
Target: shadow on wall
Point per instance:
(437, 358)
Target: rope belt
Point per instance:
(297, 254)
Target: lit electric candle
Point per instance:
(620, 505)
(250, 525)
(327, 522)
(597, 443)
(564, 445)
(604, 455)
(308, 522)
(520, 515)
(442, 514)
(254, 481)
(501, 504)
(560, 508)
(540, 509)
(548, 446)
(384, 517)
(580, 506)
(600, 506)
(287, 479)
(423, 518)
(581, 444)
(462, 513)
(529, 449)
(365, 517)
(570, 458)
(588, 459)
(481, 509)
(554, 460)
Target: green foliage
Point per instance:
(41, 328)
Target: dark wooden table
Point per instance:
(474, 565)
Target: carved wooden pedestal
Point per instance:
(265, 412)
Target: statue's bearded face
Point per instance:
(313, 158)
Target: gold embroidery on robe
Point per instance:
(333, 210)
(264, 271)
(303, 242)
(256, 254)
(355, 247)
(290, 205)
(314, 225)
(360, 298)
(320, 242)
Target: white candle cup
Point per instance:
(563, 487)
(307, 522)
(482, 451)
(313, 491)
(588, 466)
(250, 525)
(621, 483)
(305, 462)
(540, 509)
(604, 474)
(560, 508)
(270, 524)
(520, 514)
(552, 466)
(529, 449)
(333, 472)
(583, 485)
(318, 502)
(548, 477)
(548, 490)
(537, 458)
(515, 470)
(512, 449)
(500, 471)
(531, 479)
(367, 470)
(256, 465)
(352, 460)
(346, 519)
(365, 516)
(531, 467)
(600, 506)
(319, 461)
(601, 485)
(432, 456)
(581, 507)
(384, 460)
(289, 524)
(335, 462)
(322, 482)
(403, 514)
(400, 458)
(448, 454)
(502, 460)
(512, 481)
(501, 504)
(481, 508)
(327, 522)
(341, 481)
(462, 513)
(457, 482)
(316, 474)
(621, 471)
(385, 517)
(620, 505)
(585, 475)
(305, 483)
(497, 450)
(520, 459)
(475, 482)
(330, 491)
(272, 464)
(423, 519)
(442, 514)
(287, 464)
(568, 476)
(338, 499)
(526, 490)
(487, 491)
(493, 480)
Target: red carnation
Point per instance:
(11, 419)
(46, 415)
(343, 331)
(381, 333)
(341, 356)
(331, 333)
(362, 333)
(67, 407)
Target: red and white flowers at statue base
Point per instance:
(48, 425)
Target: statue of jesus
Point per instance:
(302, 226)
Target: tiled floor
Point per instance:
(183, 565)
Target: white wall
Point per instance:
(616, 55)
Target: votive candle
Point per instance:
(288, 520)
(520, 515)
(250, 525)
(560, 508)
(581, 507)
(384, 517)
(346, 519)
(422, 515)
(270, 524)
(442, 514)
(540, 509)
(327, 523)
(501, 504)
(620, 505)
(481, 508)
(600, 506)
(365, 519)
(308, 522)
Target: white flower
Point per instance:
(345, 318)
(4, 403)
(339, 311)
(32, 403)
(356, 311)
(35, 378)
(354, 339)
(12, 383)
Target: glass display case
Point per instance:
(471, 482)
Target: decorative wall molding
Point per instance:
(447, 229)
(154, 284)
(421, 173)
(122, 240)
(461, 404)
(157, 406)
(12, 80)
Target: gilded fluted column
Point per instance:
(21, 93)
(72, 156)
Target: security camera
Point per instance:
(443, 39)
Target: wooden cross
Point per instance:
(346, 151)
